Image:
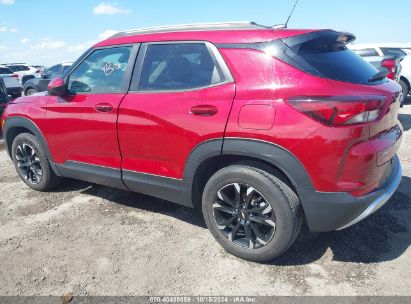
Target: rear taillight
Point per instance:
(340, 110)
(15, 76)
(391, 66)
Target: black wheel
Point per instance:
(31, 91)
(31, 163)
(251, 213)
(405, 91)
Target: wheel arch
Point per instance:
(17, 125)
(210, 156)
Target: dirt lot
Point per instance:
(92, 240)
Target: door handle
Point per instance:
(104, 107)
(204, 110)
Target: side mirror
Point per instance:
(57, 87)
(44, 75)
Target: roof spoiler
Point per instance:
(343, 37)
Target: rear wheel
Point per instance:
(251, 213)
(405, 90)
(31, 163)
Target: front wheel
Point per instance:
(31, 163)
(31, 92)
(251, 213)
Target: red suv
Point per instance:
(259, 128)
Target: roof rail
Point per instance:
(234, 25)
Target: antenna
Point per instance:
(292, 11)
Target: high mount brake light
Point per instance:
(391, 66)
(340, 110)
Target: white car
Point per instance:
(396, 50)
(11, 80)
(24, 71)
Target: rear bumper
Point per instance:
(326, 211)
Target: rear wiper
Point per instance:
(380, 75)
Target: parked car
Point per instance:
(35, 85)
(397, 52)
(12, 83)
(24, 71)
(259, 128)
(3, 97)
(405, 78)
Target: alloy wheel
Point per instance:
(28, 163)
(244, 216)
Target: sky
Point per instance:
(47, 32)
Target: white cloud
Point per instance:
(81, 47)
(6, 1)
(109, 9)
(49, 44)
(106, 34)
(48, 50)
(6, 29)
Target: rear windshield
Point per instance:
(5, 71)
(366, 52)
(18, 68)
(325, 54)
(393, 52)
(333, 60)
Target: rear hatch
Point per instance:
(11, 82)
(353, 96)
(325, 54)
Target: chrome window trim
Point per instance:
(215, 56)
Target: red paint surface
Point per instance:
(156, 131)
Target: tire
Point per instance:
(30, 91)
(278, 207)
(405, 91)
(29, 156)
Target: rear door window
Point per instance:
(179, 66)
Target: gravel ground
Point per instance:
(86, 239)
